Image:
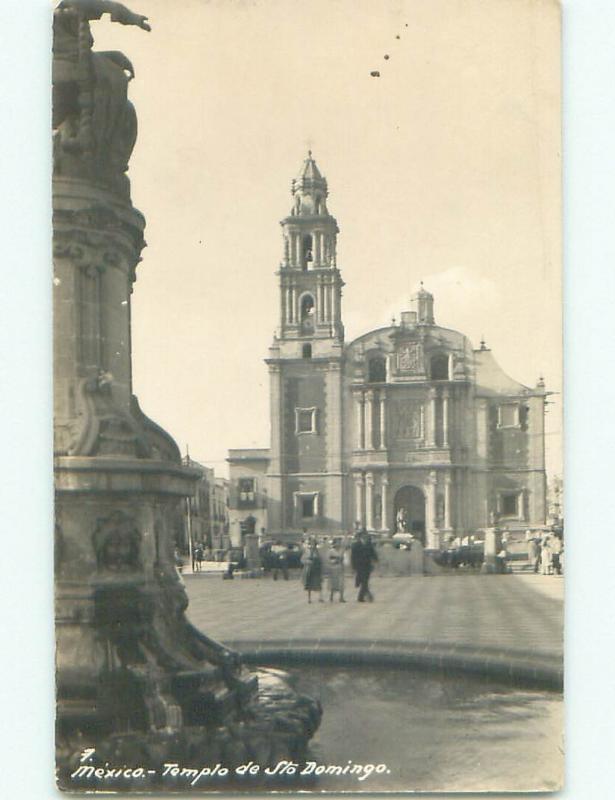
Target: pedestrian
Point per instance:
(546, 558)
(284, 561)
(363, 557)
(279, 553)
(312, 570)
(194, 567)
(198, 557)
(335, 569)
(533, 554)
(556, 554)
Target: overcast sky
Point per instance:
(444, 169)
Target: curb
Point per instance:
(523, 668)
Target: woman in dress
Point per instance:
(312, 570)
(335, 569)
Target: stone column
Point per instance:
(369, 501)
(360, 421)
(383, 420)
(286, 251)
(431, 418)
(299, 249)
(384, 486)
(334, 309)
(293, 248)
(358, 496)
(251, 551)
(432, 539)
(275, 410)
(335, 416)
(325, 301)
(447, 500)
(293, 300)
(369, 420)
(491, 548)
(445, 396)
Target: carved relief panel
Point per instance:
(410, 359)
(408, 420)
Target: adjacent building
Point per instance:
(406, 428)
(248, 497)
(206, 510)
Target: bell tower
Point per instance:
(305, 369)
(310, 282)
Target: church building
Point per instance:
(406, 428)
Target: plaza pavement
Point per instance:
(504, 625)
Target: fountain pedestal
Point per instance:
(135, 680)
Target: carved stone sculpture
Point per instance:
(135, 680)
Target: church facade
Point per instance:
(406, 428)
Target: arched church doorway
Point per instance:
(410, 512)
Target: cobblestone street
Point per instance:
(516, 614)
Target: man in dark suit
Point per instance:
(362, 558)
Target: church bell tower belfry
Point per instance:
(305, 367)
(310, 283)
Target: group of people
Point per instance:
(323, 564)
(545, 553)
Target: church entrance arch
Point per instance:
(410, 512)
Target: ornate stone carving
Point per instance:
(94, 123)
(102, 427)
(117, 543)
(410, 358)
(407, 421)
(131, 669)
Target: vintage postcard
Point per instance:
(307, 401)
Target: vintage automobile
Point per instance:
(270, 550)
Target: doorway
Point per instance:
(410, 512)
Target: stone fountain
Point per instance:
(138, 687)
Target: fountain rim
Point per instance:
(513, 667)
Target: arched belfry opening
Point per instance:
(308, 251)
(307, 313)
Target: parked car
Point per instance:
(269, 551)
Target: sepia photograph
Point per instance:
(308, 419)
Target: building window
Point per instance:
(510, 504)
(247, 495)
(439, 368)
(307, 351)
(306, 505)
(377, 370)
(508, 415)
(305, 420)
